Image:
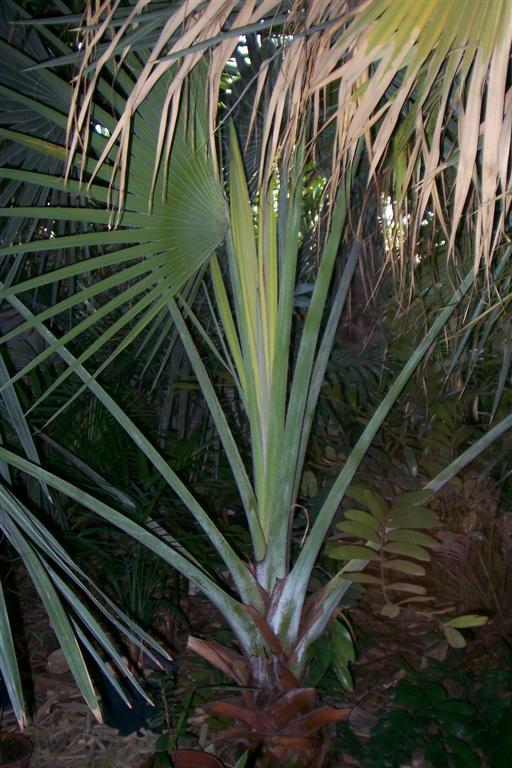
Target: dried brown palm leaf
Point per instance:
(363, 67)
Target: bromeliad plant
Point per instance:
(148, 232)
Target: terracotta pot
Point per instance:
(15, 750)
(190, 758)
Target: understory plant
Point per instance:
(126, 243)
(449, 714)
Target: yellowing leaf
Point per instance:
(468, 620)
(454, 637)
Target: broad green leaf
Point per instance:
(375, 504)
(321, 652)
(242, 760)
(468, 758)
(410, 696)
(456, 707)
(454, 637)
(405, 566)
(358, 529)
(410, 459)
(370, 499)
(359, 516)
(416, 517)
(342, 643)
(436, 692)
(356, 493)
(407, 550)
(412, 537)
(412, 499)
(309, 485)
(350, 551)
(344, 675)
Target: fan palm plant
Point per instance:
(143, 217)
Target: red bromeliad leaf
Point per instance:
(284, 730)
(291, 705)
(265, 630)
(321, 718)
(296, 743)
(228, 661)
(254, 718)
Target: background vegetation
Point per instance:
(255, 285)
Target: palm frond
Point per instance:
(438, 68)
(47, 564)
(96, 260)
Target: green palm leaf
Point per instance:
(147, 249)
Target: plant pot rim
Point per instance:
(202, 759)
(205, 760)
(24, 741)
